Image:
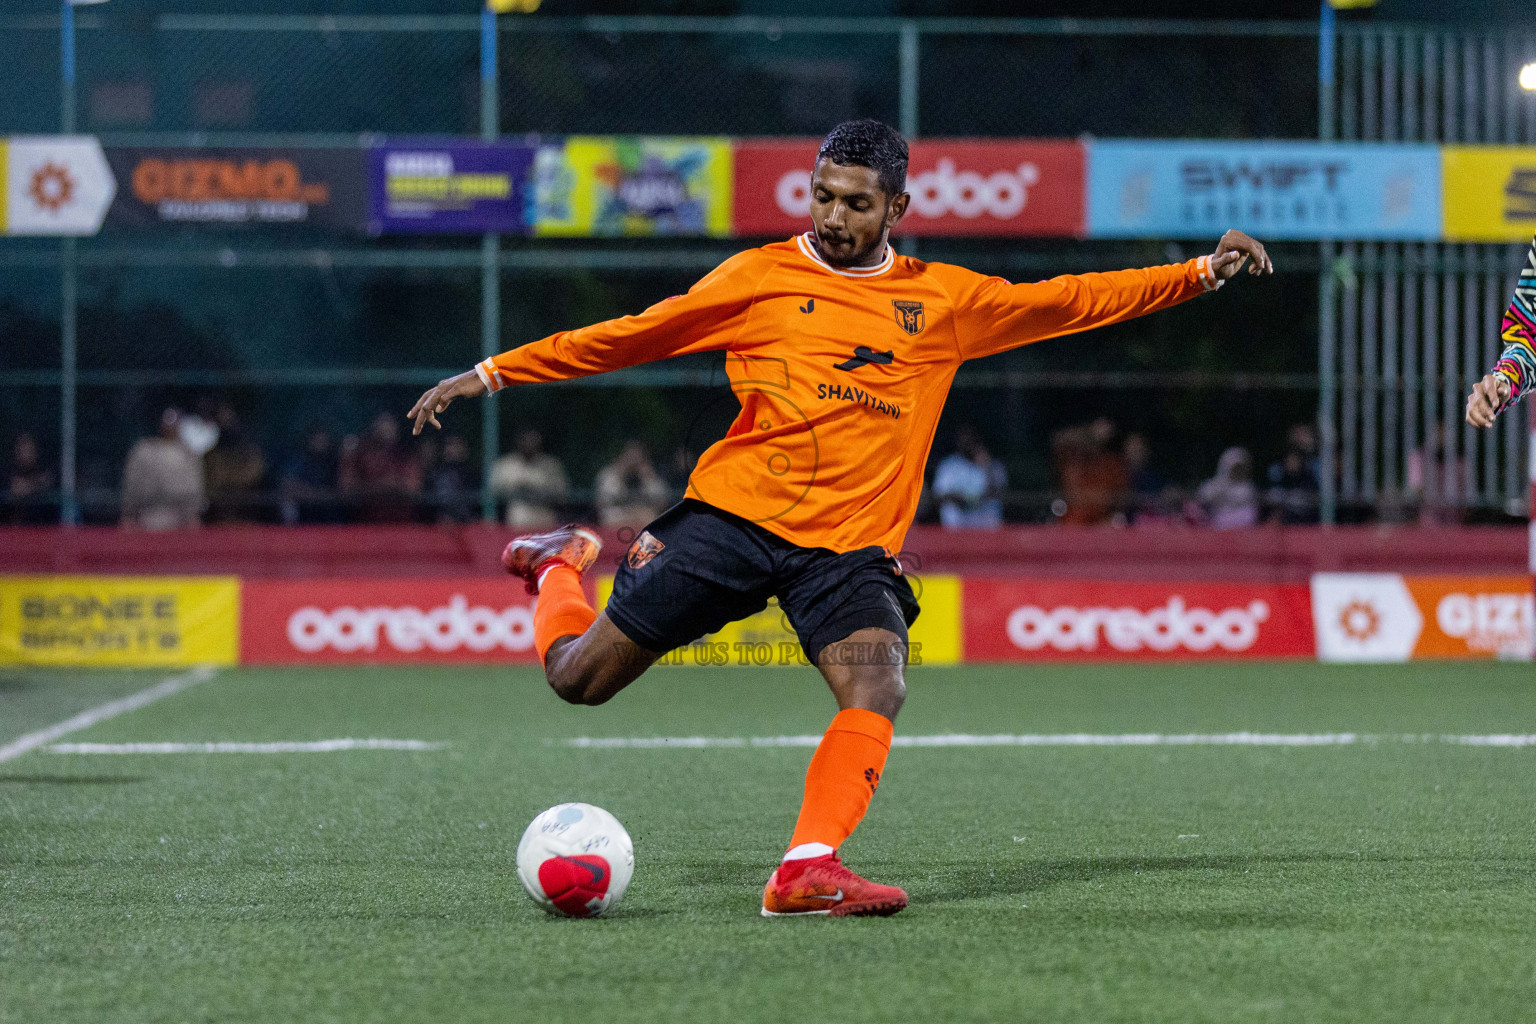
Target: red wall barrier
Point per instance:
(1272, 554)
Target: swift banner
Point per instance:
(121, 621)
(958, 187)
(449, 186)
(53, 185)
(1276, 190)
(363, 621)
(1082, 620)
(1385, 617)
(1490, 193)
(607, 186)
(322, 188)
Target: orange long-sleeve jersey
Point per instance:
(841, 373)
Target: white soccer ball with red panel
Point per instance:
(575, 860)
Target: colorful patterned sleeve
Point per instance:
(1517, 364)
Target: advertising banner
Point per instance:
(767, 639)
(1029, 187)
(1088, 620)
(324, 188)
(1274, 190)
(1385, 617)
(1490, 193)
(628, 186)
(363, 621)
(53, 185)
(119, 621)
(451, 186)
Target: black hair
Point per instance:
(873, 144)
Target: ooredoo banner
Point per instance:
(1072, 620)
(958, 186)
(1289, 190)
(236, 188)
(385, 620)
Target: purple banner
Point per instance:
(449, 187)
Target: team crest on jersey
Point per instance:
(909, 315)
(645, 548)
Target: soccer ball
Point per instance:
(575, 860)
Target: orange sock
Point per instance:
(561, 610)
(841, 780)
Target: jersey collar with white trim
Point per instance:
(808, 248)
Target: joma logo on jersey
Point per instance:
(909, 315)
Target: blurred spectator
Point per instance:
(233, 470)
(969, 485)
(1094, 479)
(308, 486)
(1293, 494)
(1147, 498)
(1229, 499)
(1435, 478)
(452, 483)
(380, 474)
(29, 485)
(163, 480)
(199, 430)
(629, 490)
(531, 481)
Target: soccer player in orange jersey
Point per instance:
(841, 353)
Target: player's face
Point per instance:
(851, 214)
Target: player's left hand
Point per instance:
(1236, 249)
(1487, 398)
(464, 385)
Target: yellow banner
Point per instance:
(1490, 193)
(610, 186)
(122, 621)
(767, 639)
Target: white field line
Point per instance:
(102, 712)
(275, 747)
(1071, 739)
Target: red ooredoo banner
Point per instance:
(958, 187)
(382, 620)
(1071, 620)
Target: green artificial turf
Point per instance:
(1385, 882)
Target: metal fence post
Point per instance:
(909, 73)
(490, 270)
(69, 506)
(1327, 397)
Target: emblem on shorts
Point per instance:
(643, 549)
(909, 315)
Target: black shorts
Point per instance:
(696, 568)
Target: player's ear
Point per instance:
(897, 209)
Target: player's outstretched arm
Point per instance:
(1512, 375)
(437, 398)
(994, 316)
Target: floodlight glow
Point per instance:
(1528, 77)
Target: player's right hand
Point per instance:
(1487, 398)
(464, 385)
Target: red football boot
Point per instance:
(572, 545)
(824, 886)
